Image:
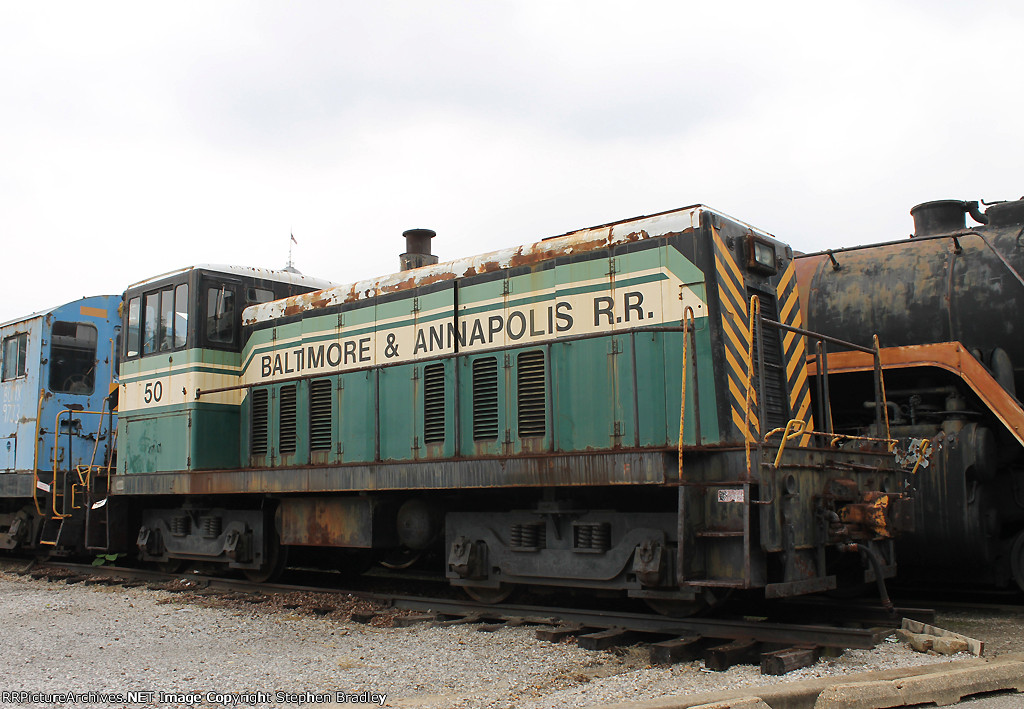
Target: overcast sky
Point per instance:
(139, 137)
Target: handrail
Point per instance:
(952, 357)
(35, 457)
(834, 439)
(688, 332)
(881, 385)
(794, 428)
(755, 313)
(77, 469)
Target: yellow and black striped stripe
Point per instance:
(794, 349)
(735, 324)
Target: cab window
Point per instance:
(157, 321)
(180, 315)
(72, 358)
(134, 320)
(15, 356)
(220, 315)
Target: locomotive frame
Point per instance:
(626, 408)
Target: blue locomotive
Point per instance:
(58, 424)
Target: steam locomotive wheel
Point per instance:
(1017, 559)
(489, 595)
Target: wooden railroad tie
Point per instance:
(681, 649)
(779, 662)
(738, 652)
(604, 639)
(556, 634)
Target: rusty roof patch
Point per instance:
(655, 226)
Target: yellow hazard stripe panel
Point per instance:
(735, 324)
(794, 348)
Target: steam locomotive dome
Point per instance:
(947, 283)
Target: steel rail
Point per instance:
(729, 629)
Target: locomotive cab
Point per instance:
(183, 334)
(55, 434)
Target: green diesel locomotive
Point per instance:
(625, 407)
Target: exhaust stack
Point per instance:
(417, 249)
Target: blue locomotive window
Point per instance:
(15, 356)
(72, 358)
(134, 321)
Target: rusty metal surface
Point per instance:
(575, 470)
(963, 286)
(624, 232)
(949, 356)
(329, 522)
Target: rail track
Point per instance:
(779, 636)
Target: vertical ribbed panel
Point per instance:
(531, 388)
(286, 420)
(321, 399)
(433, 403)
(776, 397)
(485, 398)
(259, 422)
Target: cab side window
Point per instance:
(15, 361)
(73, 358)
(157, 321)
(134, 321)
(220, 315)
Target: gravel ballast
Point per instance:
(109, 639)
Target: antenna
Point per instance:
(291, 265)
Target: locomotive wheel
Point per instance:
(273, 564)
(704, 602)
(1017, 559)
(401, 559)
(489, 595)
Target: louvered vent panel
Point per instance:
(433, 403)
(485, 398)
(320, 408)
(286, 424)
(259, 422)
(531, 389)
(775, 394)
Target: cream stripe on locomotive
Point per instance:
(794, 349)
(735, 325)
(653, 296)
(160, 387)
